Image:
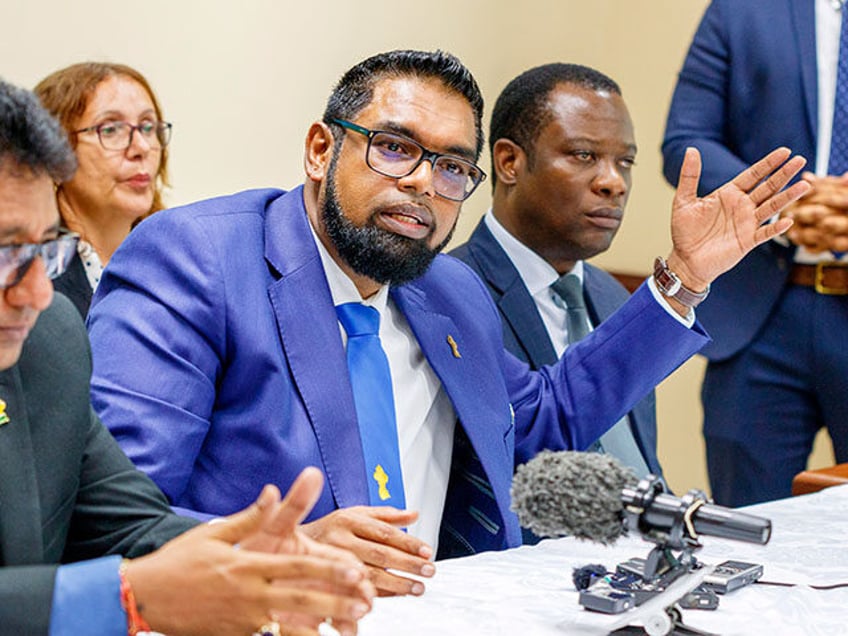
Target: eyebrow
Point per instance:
(11, 233)
(116, 114)
(460, 151)
(595, 142)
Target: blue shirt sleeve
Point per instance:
(87, 599)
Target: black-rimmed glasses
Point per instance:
(57, 253)
(117, 135)
(397, 156)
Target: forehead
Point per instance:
(433, 114)
(582, 112)
(118, 93)
(27, 205)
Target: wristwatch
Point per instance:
(669, 284)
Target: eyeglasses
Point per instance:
(397, 156)
(117, 135)
(57, 253)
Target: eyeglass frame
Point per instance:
(426, 155)
(166, 125)
(38, 250)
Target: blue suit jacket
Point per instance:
(219, 366)
(748, 85)
(524, 332)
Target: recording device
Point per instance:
(731, 575)
(593, 496)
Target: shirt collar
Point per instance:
(342, 287)
(536, 273)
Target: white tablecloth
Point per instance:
(528, 591)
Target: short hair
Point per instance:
(355, 89)
(30, 138)
(67, 92)
(522, 109)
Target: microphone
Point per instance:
(593, 496)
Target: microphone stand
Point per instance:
(670, 574)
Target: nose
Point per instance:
(420, 180)
(610, 181)
(139, 144)
(35, 289)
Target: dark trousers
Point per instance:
(764, 406)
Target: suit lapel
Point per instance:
(441, 341)
(804, 22)
(512, 298)
(308, 329)
(20, 524)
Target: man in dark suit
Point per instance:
(761, 74)
(222, 342)
(72, 504)
(562, 147)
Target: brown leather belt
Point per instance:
(826, 278)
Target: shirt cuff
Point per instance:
(87, 599)
(687, 321)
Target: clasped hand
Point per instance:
(232, 576)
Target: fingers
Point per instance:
(234, 528)
(317, 603)
(690, 174)
(392, 584)
(299, 500)
(774, 204)
(373, 536)
(748, 179)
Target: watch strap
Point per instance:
(671, 286)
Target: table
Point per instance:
(528, 591)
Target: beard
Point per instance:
(371, 251)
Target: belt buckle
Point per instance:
(819, 285)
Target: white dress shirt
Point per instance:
(425, 416)
(537, 275)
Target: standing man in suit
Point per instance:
(71, 503)
(562, 147)
(760, 74)
(239, 338)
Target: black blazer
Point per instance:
(74, 284)
(524, 332)
(67, 491)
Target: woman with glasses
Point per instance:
(115, 125)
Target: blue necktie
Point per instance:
(375, 408)
(838, 162)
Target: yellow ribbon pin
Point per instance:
(382, 479)
(4, 419)
(453, 347)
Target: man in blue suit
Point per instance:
(220, 358)
(562, 147)
(759, 74)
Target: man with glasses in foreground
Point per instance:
(238, 339)
(72, 505)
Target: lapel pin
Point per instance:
(4, 419)
(453, 347)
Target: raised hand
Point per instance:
(711, 234)
(373, 534)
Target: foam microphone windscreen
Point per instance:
(570, 493)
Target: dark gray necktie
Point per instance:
(618, 441)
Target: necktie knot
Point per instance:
(358, 319)
(570, 289)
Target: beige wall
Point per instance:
(242, 81)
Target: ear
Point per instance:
(318, 151)
(508, 159)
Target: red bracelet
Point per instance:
(135, 622)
